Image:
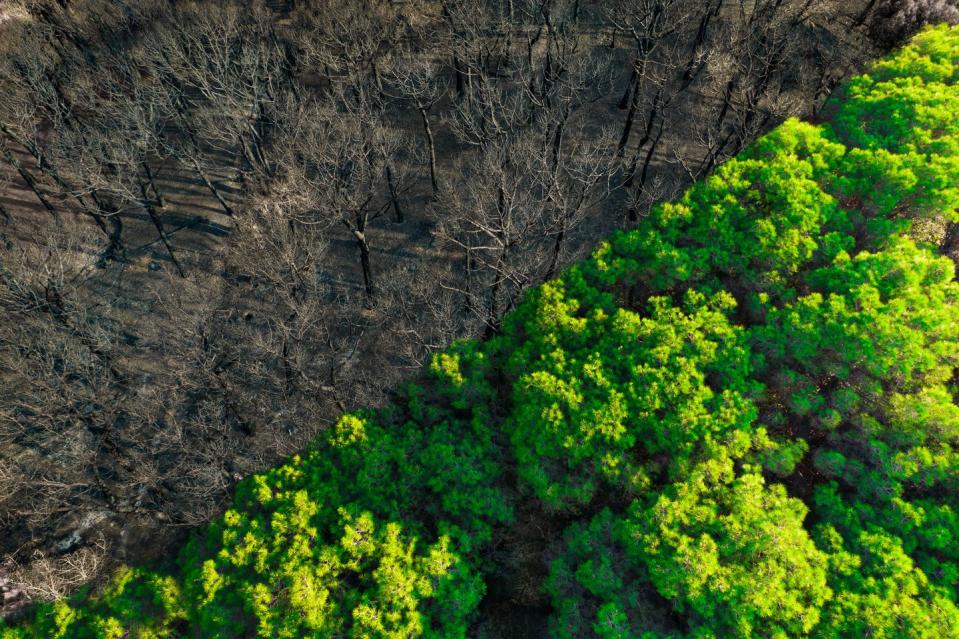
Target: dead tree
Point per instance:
(222, 71)
(27, 177)
(892, 21)
(650, 23)
(422, 84)
(109, 151)
(57, 358)
(5, 183)
(342, 153)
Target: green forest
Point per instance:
(739, 419)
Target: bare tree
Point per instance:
(475, 42)
(421, 83)
(650, 23)
(511, 216)
(339, 154)
(48, 577)
(26, 176)
(58, 364)
(895, 20)
(221, 70)
(5, 185)
(111, 150)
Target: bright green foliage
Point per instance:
(599, 398)
(429, 466)
(729, 552)
(764, 219)
(732, 553)
(137, 603)
(879, 593)
(598, 590)
(901, 119)
(876, 323)
(743, 414)
(276, 576)
(750, 229)
(336, 542)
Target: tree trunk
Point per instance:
(492, 313)
(510, 22)
(457, 65)
(51, 171)
(359, 234)
(558, 138)
(557, 249)
(377, 80)
(95, 215)
(493, 309)
(861, 19)
(153, 185)
(469, 306)
(628, 126)
(394, 199)
(633, 105)
(727, 101)
(630, 88)
(713, 154)
(692, 68)
(365, 263)
(287, 367)
(576, 9)
(30, 182)
(654, 114)
(458, 72)
(116, 234)
(209, 185)
(633, 214)
(248, 155)
(148, 205)
(47, 168)
(431, 146)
